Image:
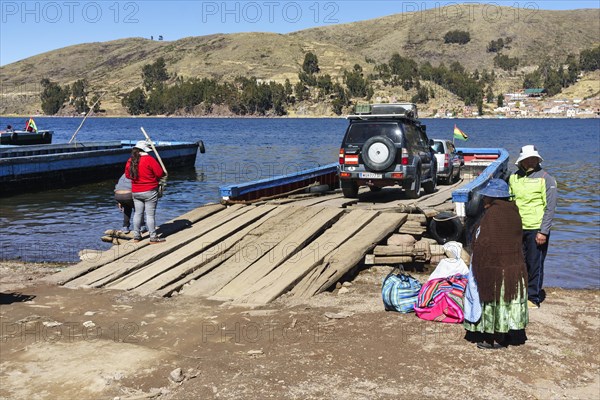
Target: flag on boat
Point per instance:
(458, 134)
(30, 126)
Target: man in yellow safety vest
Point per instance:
(535, 193)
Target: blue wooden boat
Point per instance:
(324, 175)
(21, 138)
(40, 167)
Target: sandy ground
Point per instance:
(59, 343)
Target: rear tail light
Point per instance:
(404, 157)
(446, 160)
(397, 175)
(350, 159)
(344, 174)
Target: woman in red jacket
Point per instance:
(144, 172)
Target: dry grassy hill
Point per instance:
(116, 66)
(535, 35)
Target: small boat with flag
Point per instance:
(50, 166)
(21, 138)
(29, 136)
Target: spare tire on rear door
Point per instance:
(378, 153)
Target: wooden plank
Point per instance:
(422, 251)
(218, 278)
(216, 252)
(318, 200)
(448, 206)
(234, 251)
(340, 202)
(138, 259)
(252, 249)
(236, 260)
(281, 279)
(413, 224)
(442, 195)
(420, 218)
(398, 206)
(412, 230)
(392, 197)
(394, 250)
(285, 249)
(384, 260)
(279, 202)
(369, 259)
(437, 250)
(429, 212)
(192, 249)
(347, 256)
(180, 285)
(116, 252)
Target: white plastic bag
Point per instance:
(450, 266)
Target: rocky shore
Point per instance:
(103, 344)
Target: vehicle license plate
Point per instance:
(370, 175)
(478, 163)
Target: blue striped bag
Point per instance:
(400, 292)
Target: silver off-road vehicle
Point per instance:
(386, 145)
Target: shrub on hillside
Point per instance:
(460, 37)
(310, 64)
(589, 60)
(53, 96)
(505, 62)
(135, 102)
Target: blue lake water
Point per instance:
(54, 225)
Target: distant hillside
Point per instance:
(116, 66)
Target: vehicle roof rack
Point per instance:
(386, 110)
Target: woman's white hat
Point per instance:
(528, 151)
(143, 146)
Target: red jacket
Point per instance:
(149, 172)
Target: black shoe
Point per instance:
(487, 345)
(155, 240)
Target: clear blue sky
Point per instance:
(31, 27)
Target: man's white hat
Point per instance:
(143, 146)
(528, 151)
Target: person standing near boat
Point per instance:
(535, 194)
(124, 199)
(145, 173)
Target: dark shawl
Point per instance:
(498, 252)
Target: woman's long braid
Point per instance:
(135, 163)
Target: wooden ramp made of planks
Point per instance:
(246, 254)
(252, 254)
